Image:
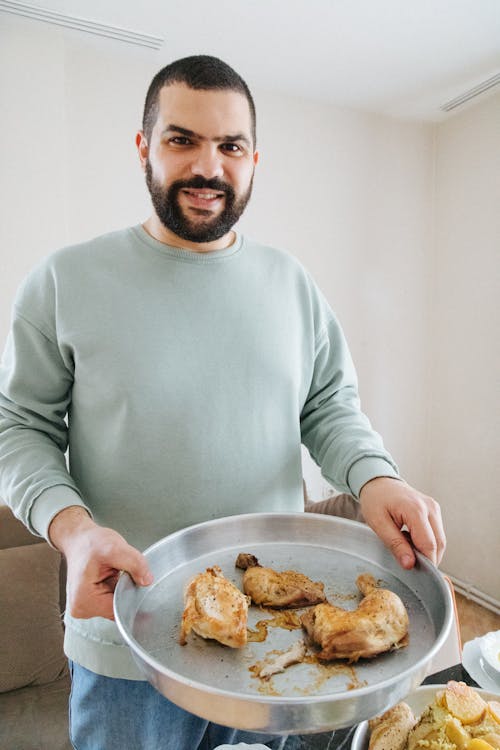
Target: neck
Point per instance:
(158, 231)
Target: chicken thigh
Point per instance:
(215, 608)
(285, 590)
(379, 624)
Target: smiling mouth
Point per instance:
(203, 198)
(203, 194)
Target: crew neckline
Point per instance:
(184, 255)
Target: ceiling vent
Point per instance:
(80, 24)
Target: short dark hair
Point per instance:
(199, 72)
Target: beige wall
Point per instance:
(350, 194)
(71, 105)
(464, 393)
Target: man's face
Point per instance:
(200, 162)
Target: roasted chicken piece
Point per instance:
(379, 624)
(286, 590)
(215, 608)
(390, 731)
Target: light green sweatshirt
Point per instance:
(183, 384)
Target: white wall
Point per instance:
(71, 106)
(32, 150)
(464, 397)
(350, 194)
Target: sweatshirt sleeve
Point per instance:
(35, 393)
(337, 434)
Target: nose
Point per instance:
(208, 161)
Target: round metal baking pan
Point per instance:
(216, 682)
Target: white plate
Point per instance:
(478, 668)
(489, 645)
(418, 701)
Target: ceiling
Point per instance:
(404, 58)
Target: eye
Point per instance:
(180, 140)
(232, 148)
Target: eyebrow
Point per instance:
(171, 128)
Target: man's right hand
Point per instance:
(95, 556)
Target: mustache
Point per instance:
(199, 182)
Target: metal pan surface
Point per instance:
(217, 683)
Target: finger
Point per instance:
(396, 541)
(401, 549)
(135, 564)
(436, 522)
(423, 537)
(430, 537)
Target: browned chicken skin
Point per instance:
(285, 590)
(379, 624)
(390, 731)
(215, 608)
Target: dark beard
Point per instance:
(168, 210)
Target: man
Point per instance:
(191, 364)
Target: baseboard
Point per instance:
(474, 594)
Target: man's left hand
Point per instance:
(388, 505)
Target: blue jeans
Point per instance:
(115, 714)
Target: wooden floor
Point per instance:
(474, 620)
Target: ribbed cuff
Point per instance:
(49, 503)
(368, 468)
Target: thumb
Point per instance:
(135, 564)
(398, 543)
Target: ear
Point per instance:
(255, 158)
(142, 148)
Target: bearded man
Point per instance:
(183, 365)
